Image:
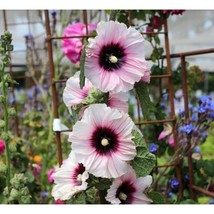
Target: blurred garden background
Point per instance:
(34, 153)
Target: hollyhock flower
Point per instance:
(70, 179)
(2, 146)
(73, 95)
(115, 58)
(102, 141)
(173, 12)
(72, 47)
(128, 189)
(50, 176)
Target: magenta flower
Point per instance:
(102, 141)
(2, 146)
(72, 47)
(157, 22)
(50, 178)
(73, 95)
(70, 179)
(115, 58)
(128, 189)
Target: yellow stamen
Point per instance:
(113, 59)
(122, 196)
(79, 177)
(104, 142)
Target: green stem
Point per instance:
(5, 109)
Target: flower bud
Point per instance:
(5, 192)
(3, 167)
(2, 123)
(5, 136)
(14, 194)
(24, 191)
(12, 148)
(25, 199)
(12, 112)
(2, 98)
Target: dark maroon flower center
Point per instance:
(111, 57)
(125, 192)
(105, 140)
(79, 170)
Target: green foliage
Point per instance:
(157, 198)
(142, 94)
(144, 161)
(207, 166)
(82, 64)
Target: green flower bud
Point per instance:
(5, 136)
(6, 192)
(25, 199)
(12, 112)
(12, 148)
(1, 50)
(3, 167)
(2, 98)
(9, 47)
(2, 123)
(18, 181)
(24, 191)
(14, 194)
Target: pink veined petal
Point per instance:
(141, 198)
(143, 182)
(163, 134)
(171, 141)
(118, 101)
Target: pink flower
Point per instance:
(128, 189)
(167, 131)
(73, 95)
(37, 169)
(58, 202)
(72, 47)
(102, 141)
(157, 22)
(2, 146)
(50, 173)
(146, 77)
(115, 58)
(70, 179)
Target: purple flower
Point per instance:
(12, 100)
(153, 147)
(211, 201)
(170, 194)
(53, 12)
(174, 183)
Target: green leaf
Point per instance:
(144, 163)
(138, 138)
(157, 198)
(142, 94)
(103, 184)
(82, 64)
(79, 198)
(207, 166)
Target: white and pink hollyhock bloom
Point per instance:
(70, 179)
(115, 58)
(73, 95)
(167, 132)
(72, 47)
(102, 141)
(146, 78)
(128, 189)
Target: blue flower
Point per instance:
(44, 194)
(30, 94)
(153, 147)
(197, 150)
(53, 12)
(187, 128)
(171, 195)
(11, 100)
(174, 183)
